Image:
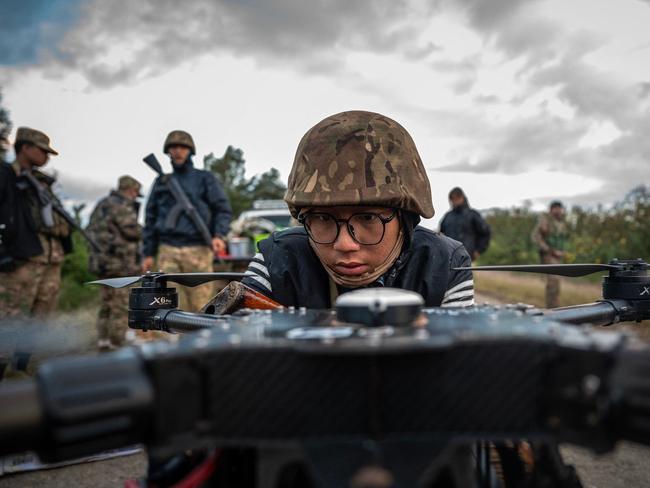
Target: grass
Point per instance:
(529, 288)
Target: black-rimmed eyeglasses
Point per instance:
(367, 228)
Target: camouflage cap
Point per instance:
(36, 137)
(358, 158)
(127, 182)
(181, 138)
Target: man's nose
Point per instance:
(345, 242)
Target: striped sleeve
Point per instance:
(460, 289)
(257, 276)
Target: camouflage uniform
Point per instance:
(550, 234)
(188, 259)
(114, 226)
(32, 289)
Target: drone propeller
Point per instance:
(185, 279)
(572, 270)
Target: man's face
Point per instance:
(133, 193)
(456, 200)
(348, 257)
(557, 212)
(179, 154)
(35, 155)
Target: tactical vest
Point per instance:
(557, 233)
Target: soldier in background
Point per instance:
(33, 239)
(179, 244)
(550, 236)
(465, 224)
(114, 225)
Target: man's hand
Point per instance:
(147, 264)
(218, 245)
(557, 254)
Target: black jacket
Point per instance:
(18, 236)
(297, 278)
(206, 194)
(466, 225)
(18, 231)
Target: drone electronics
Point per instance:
(379, 383)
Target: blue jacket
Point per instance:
(206, 194)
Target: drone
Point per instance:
(377, 392)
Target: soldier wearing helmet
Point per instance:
(179, 244)
(359, 188)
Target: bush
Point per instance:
(74, 294)
(595, 236)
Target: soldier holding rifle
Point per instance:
(187, 216)
(35, 231)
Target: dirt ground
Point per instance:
(626, 467)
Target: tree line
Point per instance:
(596, 235)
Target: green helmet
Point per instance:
(358, 158)
(180, 138)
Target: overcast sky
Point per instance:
(511, 100)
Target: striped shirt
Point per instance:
(460, 292)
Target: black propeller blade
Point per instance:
(572, 270)
(196, 279)
(116, 282)
(185, 279)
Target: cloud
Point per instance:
(70, 187)
(510, 124)
(28, 27)
(124, 41)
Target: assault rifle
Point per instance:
(49, 205)
(183, 203)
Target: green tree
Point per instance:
(242, 191)
(268, 186)
(5, 129)
(595, 235)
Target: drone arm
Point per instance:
(604, 312)
(171, 320)
(597, 313)
(177, 321)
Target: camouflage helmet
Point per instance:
(180, 138)
(358, 158)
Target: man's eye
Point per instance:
(366, 218)
(320, 218)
